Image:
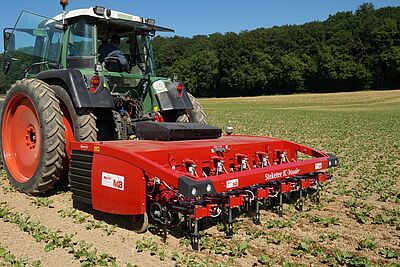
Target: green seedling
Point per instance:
(325, 221)
(367, 244)
(42, 202)
(147, 244)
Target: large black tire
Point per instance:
(83, 124)
(193, 115)
(30, 113)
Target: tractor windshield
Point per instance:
(33, 45)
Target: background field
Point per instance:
(356, 224)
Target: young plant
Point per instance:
(42, 202)
(367, 244)
(147, 244)
(325, 221)
(265, 260)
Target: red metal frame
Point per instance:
(233, 164)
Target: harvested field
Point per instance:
(356, 224)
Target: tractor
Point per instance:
(88, 109)
(65, 93)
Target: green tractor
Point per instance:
(72, 86)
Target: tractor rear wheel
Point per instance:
(32, 136)
(193, 115)
(78, 126)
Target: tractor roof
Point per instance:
(123, 19)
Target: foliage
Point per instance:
(348, 51)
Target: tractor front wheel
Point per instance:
(32, 136)
(193, 115)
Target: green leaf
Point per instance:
(49, 247)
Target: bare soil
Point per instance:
(363, 129)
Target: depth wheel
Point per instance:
(138, 223)
(32, 137)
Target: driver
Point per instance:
(107, 47)
(112, 50)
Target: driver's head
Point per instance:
(115, 39)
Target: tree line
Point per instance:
(348, 51)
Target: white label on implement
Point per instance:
(232, 183)
(318, 166)
(113, 181)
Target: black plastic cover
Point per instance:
(171, 131)
(186, 186)
(333, 161)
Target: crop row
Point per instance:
(9, 259)
(82, 250)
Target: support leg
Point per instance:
(317, 194)
(195, 236)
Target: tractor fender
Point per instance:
(77, 89)
(168, 97)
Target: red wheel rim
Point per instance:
(21, 138)
(69, 131)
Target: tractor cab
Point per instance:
(76, 49)
(92, 28)
(73, 40)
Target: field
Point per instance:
(356, 224)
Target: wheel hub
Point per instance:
(30, 137)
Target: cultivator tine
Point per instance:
(301, 199)
(165, 233)
(317, 200)
(257, 215)
(229, 231)
(195, 236)
(189, 223)
(280, 207)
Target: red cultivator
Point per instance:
(199, 179)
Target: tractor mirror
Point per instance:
(9, 41)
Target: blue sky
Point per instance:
(190, 18)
